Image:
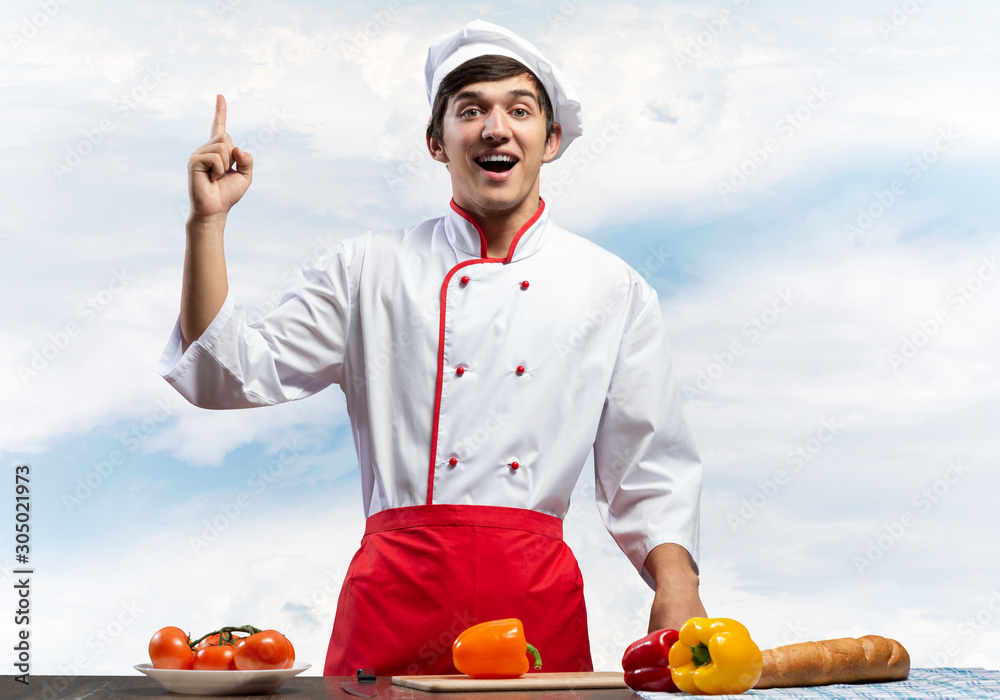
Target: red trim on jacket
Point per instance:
(441, 324)
(482, 234)
(471, 219)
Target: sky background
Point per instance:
(809, 187)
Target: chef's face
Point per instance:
(494, 144)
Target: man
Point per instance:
(483, 354)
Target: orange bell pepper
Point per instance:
(494, 649)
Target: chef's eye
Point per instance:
(520, 113)
(471, 112)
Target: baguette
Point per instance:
(865, 660)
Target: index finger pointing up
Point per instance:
(219, 124)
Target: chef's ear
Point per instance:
(436, 148)
(552, 143)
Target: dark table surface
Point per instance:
(923, 684)
(298, 688)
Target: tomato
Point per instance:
(213, 641)
(169, 648)
(214, 658)
(265, 650)
(291, 650)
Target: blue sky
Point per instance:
(809, 188)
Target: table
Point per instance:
(923, 684)
(944, 683)
(298, 688)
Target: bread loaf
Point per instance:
(867, 659)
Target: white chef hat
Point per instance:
(479, 38)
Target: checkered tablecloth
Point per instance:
(950, 683)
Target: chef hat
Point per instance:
(479, 38)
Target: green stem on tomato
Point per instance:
(226, 634)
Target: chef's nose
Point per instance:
(496, 126)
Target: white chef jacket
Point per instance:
(475, 380)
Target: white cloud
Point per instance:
(266, 566)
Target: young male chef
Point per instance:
(483, 354)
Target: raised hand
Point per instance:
(214, 184)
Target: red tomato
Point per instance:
(213, 641)
(169, 648)
(265, 650)
(291, 653)
(214, 658)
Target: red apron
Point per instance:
(423, 574)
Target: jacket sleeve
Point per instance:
(648, 473)
(293, 352)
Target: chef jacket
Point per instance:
(475, 380)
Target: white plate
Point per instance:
(221, 682)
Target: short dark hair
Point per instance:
(484, 69)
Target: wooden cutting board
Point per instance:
(530, 681)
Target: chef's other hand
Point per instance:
(676, 599)
(213, 184)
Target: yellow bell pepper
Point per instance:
(714, 656)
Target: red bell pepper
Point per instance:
(646, 665)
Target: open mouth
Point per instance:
(496, 163)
